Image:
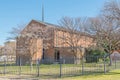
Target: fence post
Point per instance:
(60, 67)
(82, 66)
(4, 66)
(104, 65)
(19, 66)
(115, 63)
(38, 67)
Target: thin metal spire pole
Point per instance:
(42, 11)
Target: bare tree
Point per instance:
(10, 49)
(29, 48)
(30, 35)
(75, 34)
(106, 28)
(1, 50)
(111, 11)
(15, 32)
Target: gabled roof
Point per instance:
(46, 23)
(55, 26)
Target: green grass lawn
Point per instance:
(51, 68)
(69, 72)
(112, 75)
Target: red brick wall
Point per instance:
(54, 41)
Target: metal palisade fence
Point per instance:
(49, 68)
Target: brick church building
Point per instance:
(45, 41)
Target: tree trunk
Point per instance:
(76, 60)
(31, 65)
(110, 64)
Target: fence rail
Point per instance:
(60, 68)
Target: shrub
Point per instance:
(94, 55)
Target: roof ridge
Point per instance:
(47, 23)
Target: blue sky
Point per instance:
(19, 12)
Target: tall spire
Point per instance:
(42, 11)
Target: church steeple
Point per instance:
(42, 11)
